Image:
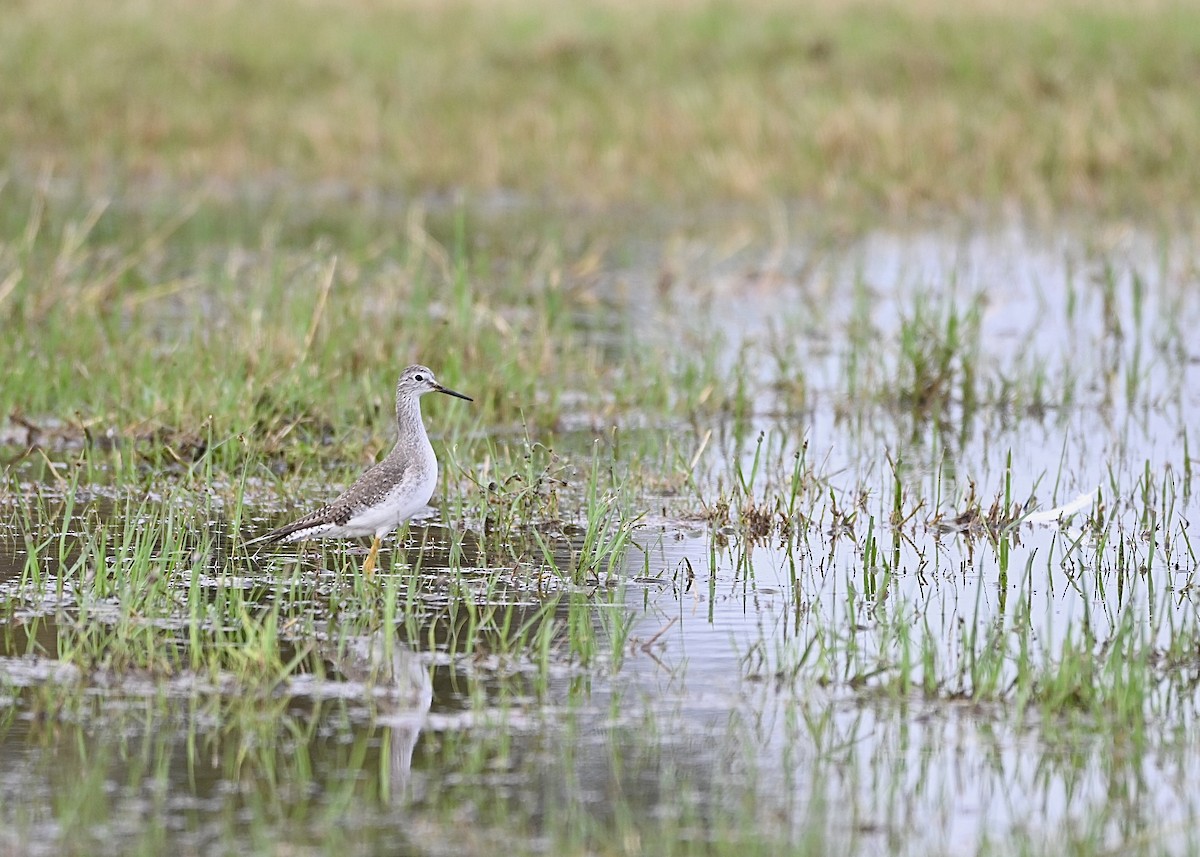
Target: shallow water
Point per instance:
(821, 687)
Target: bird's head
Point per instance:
(418, 380)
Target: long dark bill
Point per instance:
(454, 393)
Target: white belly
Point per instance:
(402, 502)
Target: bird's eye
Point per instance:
(418, 377)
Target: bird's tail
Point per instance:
(272, 536)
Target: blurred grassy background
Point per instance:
(883, 104)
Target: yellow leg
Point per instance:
(369, 565)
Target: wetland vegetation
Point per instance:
(828, 483)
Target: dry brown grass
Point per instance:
(884, 103)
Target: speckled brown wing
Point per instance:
(368, 490)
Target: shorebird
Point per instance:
(390, 492)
